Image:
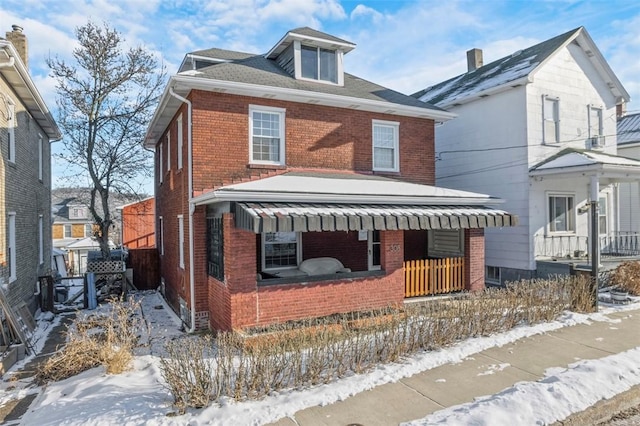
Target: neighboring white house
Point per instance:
(537, 129)
(629, 146)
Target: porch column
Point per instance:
(474, 259)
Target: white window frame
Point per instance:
(571, 218)
(180, 142)
(297, 58)
(281, 123)
(181, 240)
(168, 151)
(603, 213)
(395, 126)
(160, 161)
(161, 226)
(40, 158)
(599, 111)
(11, 235)
(41, 239)
(11, 132)
(88, 230)
(64, 230)
(556, 119)
(298, 253)
(371, 243)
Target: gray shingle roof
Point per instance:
(497, 73)
(266, 72)
(629, 129)
(318, 34)
(228, 55)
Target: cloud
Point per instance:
(362, 11)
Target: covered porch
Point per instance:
(336, 249)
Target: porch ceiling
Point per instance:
(305, 217)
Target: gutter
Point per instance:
(283, 197)
(192, 207)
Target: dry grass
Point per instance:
(316, 351)
(106, 339)
(627, 277)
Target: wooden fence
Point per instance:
(433, 276)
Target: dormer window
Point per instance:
(319, 64)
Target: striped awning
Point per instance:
(303, 217)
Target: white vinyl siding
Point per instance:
(266, 135)
(385, 146)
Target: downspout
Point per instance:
(192, 208)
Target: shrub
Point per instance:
(253, 364)
(627, 277)
(105, 338)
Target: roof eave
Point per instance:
(284, 42)
(39, 109)
(184, 84)
(222, 195)
(487, 92)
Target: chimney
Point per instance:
(19, 41)
(621, 109)
(474, 59)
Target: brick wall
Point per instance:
(474, 259)
(22, 192)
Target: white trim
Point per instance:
(574, 212)
(282, 146)
(298, 252)
(556, 119)
(181, 240)
(395, 126)
(12, 247)
(180, 142)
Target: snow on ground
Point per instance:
(139, 397)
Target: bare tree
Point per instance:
(105, 99)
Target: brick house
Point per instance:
(26, 130)
(287, 188)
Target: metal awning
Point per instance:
(306, 217)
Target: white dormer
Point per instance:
(77, 211)
(312, 55)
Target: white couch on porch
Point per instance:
(315, 266)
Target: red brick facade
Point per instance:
(316, 137)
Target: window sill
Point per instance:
(266, 166)
(307, 279)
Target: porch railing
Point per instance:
(564, 246)
(433, 276)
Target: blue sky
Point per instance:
(404, 45)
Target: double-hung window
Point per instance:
(551, 119)
(385, 146)
(602, 215)
(266, 139)
(319, 64)
(67, 231)
(595, 121)
(561, 213)
(88, 230)
(280, 250)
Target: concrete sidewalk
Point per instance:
(485, 373)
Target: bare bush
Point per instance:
(315, 351)
(106, 338)
(627, 277)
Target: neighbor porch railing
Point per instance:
(433, 276)
(565, 246)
